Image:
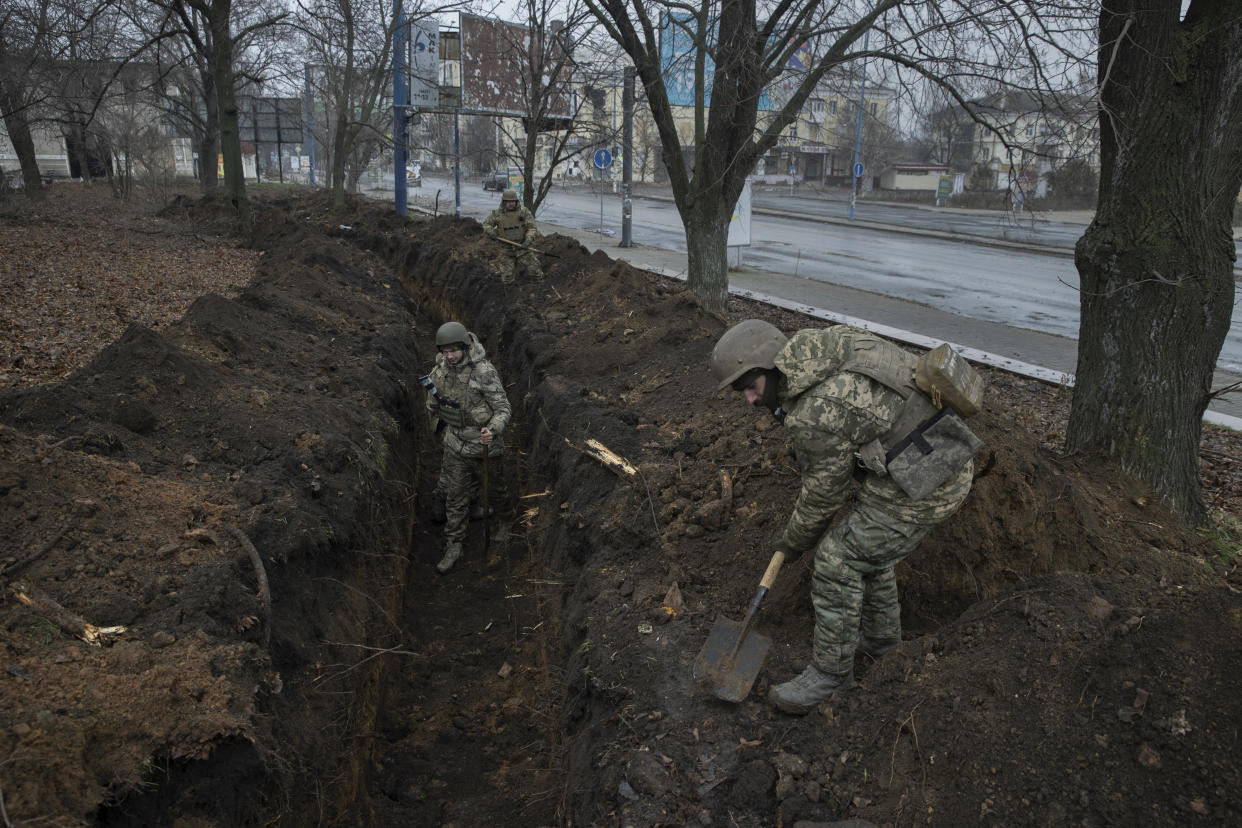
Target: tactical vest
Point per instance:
(510, 225)
(926, 445)
(454, 415)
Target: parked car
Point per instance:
(496, 180)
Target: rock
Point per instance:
(711, 515)
(162, 638)
(646, 773)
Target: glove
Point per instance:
(783, 545)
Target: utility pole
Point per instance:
(310, 123)
(400, 105)
(862, 92)
(627, 159)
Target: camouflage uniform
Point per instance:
(515, 226)
(475, 387)
(831, 413)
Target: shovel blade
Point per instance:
(726, 668)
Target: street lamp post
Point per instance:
(862, 92)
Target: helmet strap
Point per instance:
(771, 393)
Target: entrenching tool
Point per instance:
(731, 658)
(524, 247)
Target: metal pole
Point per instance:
(310, 123)
(456, 162)
(400, 105)
(862, 92)
(254, 117)
(627, 162)
(280, 150)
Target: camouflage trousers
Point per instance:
(515, 262)
(461, 478)
(853, 589)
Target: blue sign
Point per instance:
(858, 169)
(603, 159)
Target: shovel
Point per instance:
(731, 658)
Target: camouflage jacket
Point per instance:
(474, 397)
(831, 414)
(517, 226)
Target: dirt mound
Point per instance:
(244, 491)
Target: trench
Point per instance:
(407, 697)
(472, 728)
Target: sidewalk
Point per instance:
(1021, 351)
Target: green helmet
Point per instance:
(748, 346)
(509, 195)
(452, 333)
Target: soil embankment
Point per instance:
(245, 491)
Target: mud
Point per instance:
(1070, 647)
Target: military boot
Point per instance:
(452, 551)
(805, 691)
(877, 647)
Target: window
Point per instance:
(875, 109)
(832, 107)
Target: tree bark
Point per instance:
(18, 127)
(230, 132)
(209, 146)
(1156, 264)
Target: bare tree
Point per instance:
(538, 61)
(1156, 264)
(350, 46)
(217, 33)
(58, 60)
(726, 54)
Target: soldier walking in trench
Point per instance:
(470, 410)
(514, 224)
(843, 393)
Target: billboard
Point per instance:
(677, 56)
(496, 68)
(269, 120)
(424, 63)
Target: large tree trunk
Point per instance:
(18, 127)
(725, 156)
(707, 259)
(209, 145)
(1156, 264)
(230, 132)
(339, 156)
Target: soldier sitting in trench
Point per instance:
(470, 410)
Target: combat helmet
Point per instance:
(452, 333)
(750, 345)
(509, 195)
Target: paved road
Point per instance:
(969, 279)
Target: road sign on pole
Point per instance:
(858, 170)
(603, 159)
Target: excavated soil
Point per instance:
(244, 491)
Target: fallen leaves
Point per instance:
(67, 289)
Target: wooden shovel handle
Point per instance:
(774, 568)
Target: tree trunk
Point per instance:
(209, 146)
(230, 132)
(23, 143)
(339, 156)
(1156, 264)
(707, 259)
